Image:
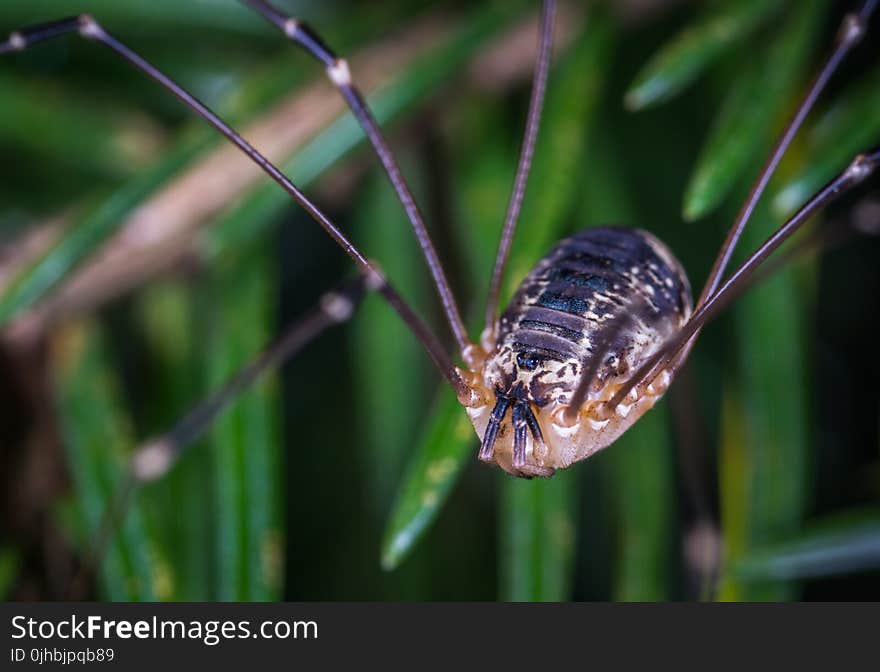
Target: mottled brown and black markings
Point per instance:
(548, 333)
(567, 311)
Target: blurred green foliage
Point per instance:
(351, 474)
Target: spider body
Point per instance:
(596, 331)
(590, 341)
(566, 312)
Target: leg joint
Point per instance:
(17, 41)
(89, 28)
(852, 29)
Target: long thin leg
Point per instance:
(850, 34)
(536, 104)
(156, 457)
(821, 239)
(340, 75)
(87, 27)
(858, 171)
(851, 31)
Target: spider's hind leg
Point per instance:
(716, 295)
(669, 357)
(156, 457)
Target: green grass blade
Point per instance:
(537, 537)
(684, 58)
(168, 315)
(88, 230)
(381, 343)
(96, 434)
(446, 444)
(843, 544)
(244, 441)
(644, 474)
(87, 137)
(108, 211)
(734, 470)
(849, 126)
(143, 15)
(769, 452)
(756, 101)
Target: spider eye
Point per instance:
(528, 361)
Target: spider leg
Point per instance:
(667, 359)
(533, 120)
(85, 26)
(823, 238)
(153, 459)
(820, 239)
(340, 75)
(624, 319)
(156, 457)
(850, 33)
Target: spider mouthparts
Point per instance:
(523, 423)
(520, 410)
(487, 447)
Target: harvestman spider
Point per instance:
(596, 332)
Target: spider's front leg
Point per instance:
(339, 73)
(86, 27)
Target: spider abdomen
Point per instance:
(611, 292)
(585, 283)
